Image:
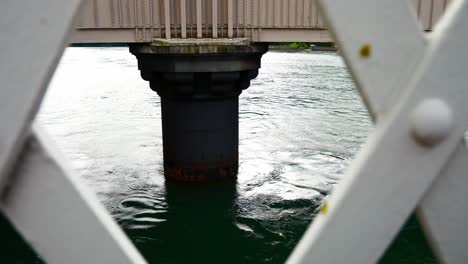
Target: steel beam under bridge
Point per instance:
(130, 21)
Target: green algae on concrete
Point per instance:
(199, 46)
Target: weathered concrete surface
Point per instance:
(200, 46)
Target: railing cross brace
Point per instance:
(44, 200)
(415, 158)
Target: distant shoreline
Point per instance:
(288, 48)
(306, 46)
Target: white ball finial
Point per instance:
(432, 121)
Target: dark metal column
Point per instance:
(199, 84)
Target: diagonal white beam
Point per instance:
(62, 222)
(397, 48)
(395, 42)
(34, 34)
(398, 183)
(440, 230)
(372, 72)
(444, 209)
(57, 215)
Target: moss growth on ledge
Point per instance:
(157, 43)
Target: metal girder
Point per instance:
(421, 131)
(46, 203)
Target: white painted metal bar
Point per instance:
(444, 210)
(26, 66)
(214, 17)
(183, 18)
(199, 19)
(447, 196)
(398, 183)
(230, 19)
(39, 193)
(377, 195)
(380, 75)
(55, 212)
(167, 18)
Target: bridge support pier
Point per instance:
(199, 84)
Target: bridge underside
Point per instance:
(134, 35)
(135, 21)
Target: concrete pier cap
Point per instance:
(199, 82)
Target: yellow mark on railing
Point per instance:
(365, 50)
(324, 208)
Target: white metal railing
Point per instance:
(40, 195)
(414, 87)
(416, 157)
